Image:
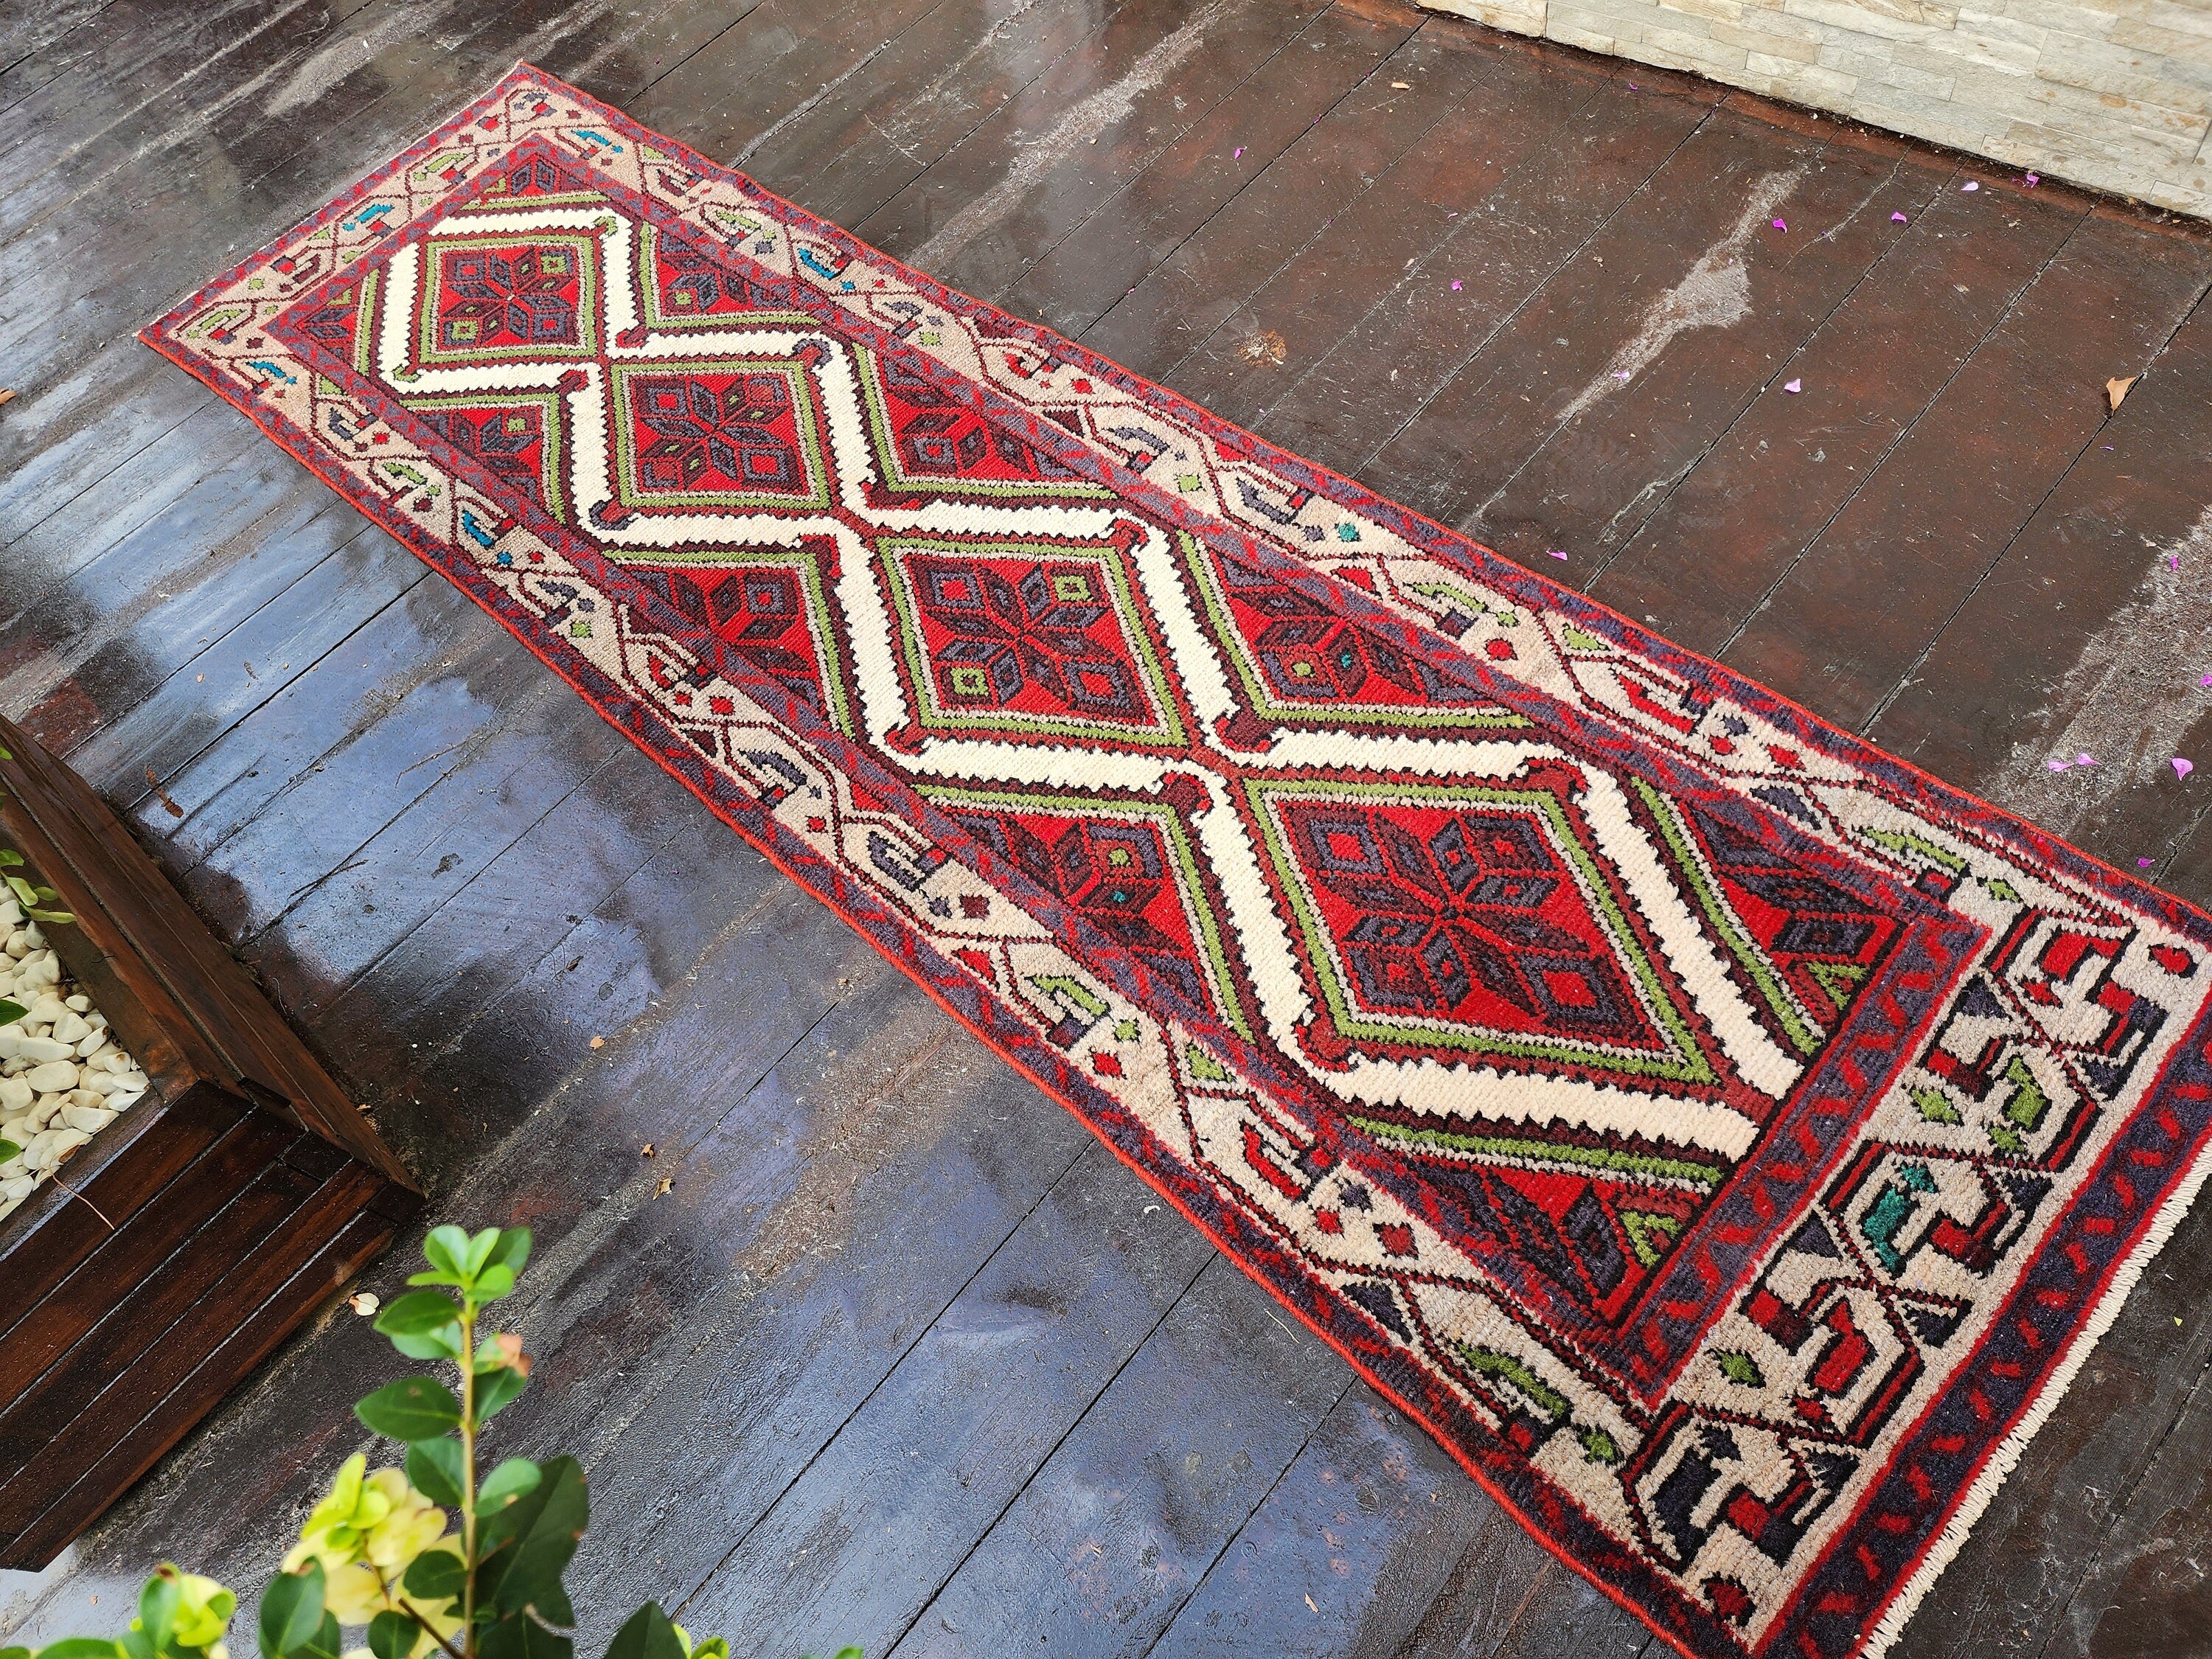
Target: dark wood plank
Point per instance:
(1352, 1546)
(26, 35)
(163, 948)
(145, 1237)
(1365, 144)
(46, 1390)
(1851, 617)
(873, 131)
(338, 1254)
(1691, 359)
(1706, 559)
(1495, 204)
(2085, 636)
(206, 689)
(1011, 190)
(1686, 245)
(1133, 230)
(161, 1139)
(1136, 1503)
(972, 1410)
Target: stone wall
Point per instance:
(2116, 94)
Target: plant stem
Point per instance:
(468, 1477)
(416, 1613)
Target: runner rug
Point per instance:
(1726, 1139)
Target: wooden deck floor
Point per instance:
(903, 1357)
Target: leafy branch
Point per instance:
(377, 1550)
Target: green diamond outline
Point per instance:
(808, 423)
(644, 257)
(817, 605)
(1167, 732)
(1229, 1004)
(589, 321)
(1260, 700)
(1691, 1066)
(552, 481)
(878, 424)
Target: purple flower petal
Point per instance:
(1899, 219)
(1780, 225)
(2182, 769)
(1556, 553)
(1971, 184)
(1794, 385)
(2145, 864)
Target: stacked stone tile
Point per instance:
(2116, 94)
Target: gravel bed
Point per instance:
(62, 1079)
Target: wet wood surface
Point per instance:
(899, 1356)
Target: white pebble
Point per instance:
(80, 1004)
(17, 1188)
(89, 1119)
(14, 1095)
(70, 1028)
(53, 1076)
(91, 1044)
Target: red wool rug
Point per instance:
(1725, 1139)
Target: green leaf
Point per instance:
(392, 1635)
(80, 1647)
(535, 1536)
(9, 1150)
(413, 1408)
(23, 889)
(157, 1608)
(11, 1011)
(512, 1250)
(646, 1634)
(433, 1468)
(15, 1653)
(438, 1345)
(509, 1480)
(417, 1313)
(326, 1643)
(434, 1576)
(479, 1252)
(497, 1389)
(523, 1638)
(9, 859)
(496, 1281)
(422, 1325)
(291, 1611)
(446, 1249)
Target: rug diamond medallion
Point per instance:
(1721, 1137)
